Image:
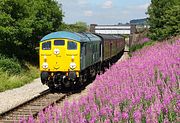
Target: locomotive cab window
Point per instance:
(59, 42)
(46, 45)
(72, 45)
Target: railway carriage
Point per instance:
(112, 49)
(68, 58)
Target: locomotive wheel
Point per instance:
(67, 84)
(78, 85)
(44, 77)
(51, 88)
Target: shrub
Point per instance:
(140, 46)
(10, 65)
(10, 81)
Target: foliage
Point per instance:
(140, 46)
(10, 81)
(24, 22)
(15, 74)
(164, 18)
(144, 88)
(11, 66)
(77, 27)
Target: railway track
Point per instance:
(32, 107)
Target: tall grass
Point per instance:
(141, 44)
(13, 74)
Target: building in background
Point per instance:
(135, 30)
(120, 29)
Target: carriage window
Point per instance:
(59, 42)
(72, 45)
(46, 46)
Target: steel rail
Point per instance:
(32, 106)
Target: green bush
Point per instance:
(10, 65)
(9, 81)
(140, 46)
(135, 47)
(15, 73)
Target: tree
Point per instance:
(162, 20)
(172, 17)
(82, 26)
(48, 18)
(24, 22)
(14, 23)
(77, 27)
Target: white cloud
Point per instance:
(108, 4)
(88, 13)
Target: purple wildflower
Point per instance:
(31, 119)
(125, 115)
(137, 116)
(107, 121)
(146, 39)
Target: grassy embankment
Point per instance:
(14, 74)
(139, 46)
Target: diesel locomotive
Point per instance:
(69, 58)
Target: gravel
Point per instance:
(12, 98)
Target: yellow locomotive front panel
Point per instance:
(59, 55)
(59, 62)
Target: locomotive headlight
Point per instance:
(72, 65)
(56, 51)
(45, 65)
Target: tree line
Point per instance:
(24, 22)
(164, 19)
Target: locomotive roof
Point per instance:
(80, 37)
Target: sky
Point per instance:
(103, 11)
